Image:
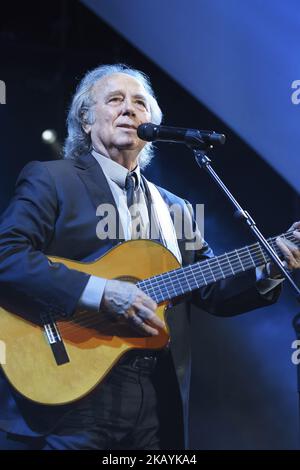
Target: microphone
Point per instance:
(193, 137)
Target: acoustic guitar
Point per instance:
(57, 361)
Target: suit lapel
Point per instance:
(91, 174)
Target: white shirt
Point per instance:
(116, 177)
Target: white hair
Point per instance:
(78, 142)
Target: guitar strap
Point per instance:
(161, 217)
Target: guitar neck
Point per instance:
(180, 281)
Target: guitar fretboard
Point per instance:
(180, 281)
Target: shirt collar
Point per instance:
(115, 171)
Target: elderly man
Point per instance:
(143, 401)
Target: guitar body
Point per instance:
(92, 343)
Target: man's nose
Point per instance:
(128, 108)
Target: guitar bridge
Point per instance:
(56, 343)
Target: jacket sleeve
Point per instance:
(30, 284)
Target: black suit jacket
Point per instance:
(53, 212)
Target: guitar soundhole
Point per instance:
(132, 279)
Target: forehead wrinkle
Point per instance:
(106, 81)
(103, 84)
(122, 92)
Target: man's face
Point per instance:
(122, 105)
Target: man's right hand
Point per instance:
(126, 300)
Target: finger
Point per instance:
(296, 234)
(150, 317)
(148, 302)
(283, 248)
(142, 300)
(291, 246)
(283, 245)
(142, 327)
(295, 226)
(287, 252)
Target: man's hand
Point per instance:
(124, 299)
(289, 250)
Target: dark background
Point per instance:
(244, 385)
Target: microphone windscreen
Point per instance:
(146, 131)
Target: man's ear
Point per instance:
(86, 127)
(85, 122)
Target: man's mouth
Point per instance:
(127, 126)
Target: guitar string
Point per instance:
(237, 256)
(98, 319)
(212, 279)
(206, 271)
(188, 271)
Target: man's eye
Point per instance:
(115, 98)
(142, 103)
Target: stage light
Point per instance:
(49, 136)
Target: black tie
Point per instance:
(129, 186)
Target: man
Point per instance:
(142, 403)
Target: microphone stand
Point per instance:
(200, 148)
(204, 162)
